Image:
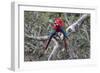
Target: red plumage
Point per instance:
(58, 24)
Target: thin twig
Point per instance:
(65, 15)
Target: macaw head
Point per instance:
(59, 21)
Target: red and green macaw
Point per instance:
(57, 26)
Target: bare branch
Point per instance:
(76, 24)
(54, 51)
(41, 38)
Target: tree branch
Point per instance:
(54, 51)
(40, 38)
(75, 25)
